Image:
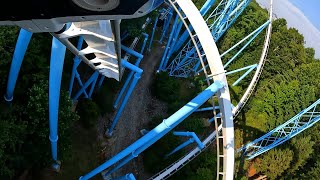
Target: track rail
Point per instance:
(244, 99)
(177, 165)
(191, 16)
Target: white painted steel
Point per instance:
(171, 169)
(258, 72)
(101, 42)
(217, 71)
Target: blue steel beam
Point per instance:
(284, 132)
(256, 33)
(74, 73)
(164, 56)
(91, 81)
(224, 15)
(139, 57)
(190, 134)
(181, 146)
(18, 55)
(158, 132)
(166, 24)
(58, 51)
(185, 35)
(152, 34)
(207, 109)
(126, 177)
(136, 77)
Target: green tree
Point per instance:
(24, 132)
(275, 162)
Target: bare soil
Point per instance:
(140, 109)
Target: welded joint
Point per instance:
(131, 67)
(190, 134)
(131, 52)
(53, 138)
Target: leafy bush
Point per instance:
(25, 129)
(166, 88)
(88, 112)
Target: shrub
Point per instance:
(88, 112)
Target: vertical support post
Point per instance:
(56, 67)
(137, 76)
(139, 56)
(101, 81)
(124, 103)
(76, 62)
(146, 36)
(93, 85)
(164, 56)
(18, 55)
(152, 34)
(166, 25)
(174, 39)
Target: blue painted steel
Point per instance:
(58, 51)
(137, 76)
(181, 146)
(245, 74)
(124, 35)
(185, 35)
(126, 177)
(241, 69)
(139, 56)
(18, 55)
(76, 62)
(101, 81)
(146, 36)
(166, 24)
(256, 33)
(93, 85)
(190, 134)
(186, 62)
(207, 109)
(93, 78)
(163, 128)
(174, 39)
(164, 56)
(212, 119)
(153, 31)
(297, 124)
(132, 52)
(252, 33)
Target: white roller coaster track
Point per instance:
(174, 167)
(258, 72)
(211, 53)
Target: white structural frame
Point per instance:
(171, 169)
(217, 71)
(258, 72)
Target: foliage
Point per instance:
(25, 141)
(275, 162)
(89, 112)
(166, 88)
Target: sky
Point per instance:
(303, 15)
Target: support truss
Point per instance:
(223, 16)
(303, 120)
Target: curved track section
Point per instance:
(217, 72)
(258, 72)
(174, 167)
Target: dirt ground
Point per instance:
(141, 107)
